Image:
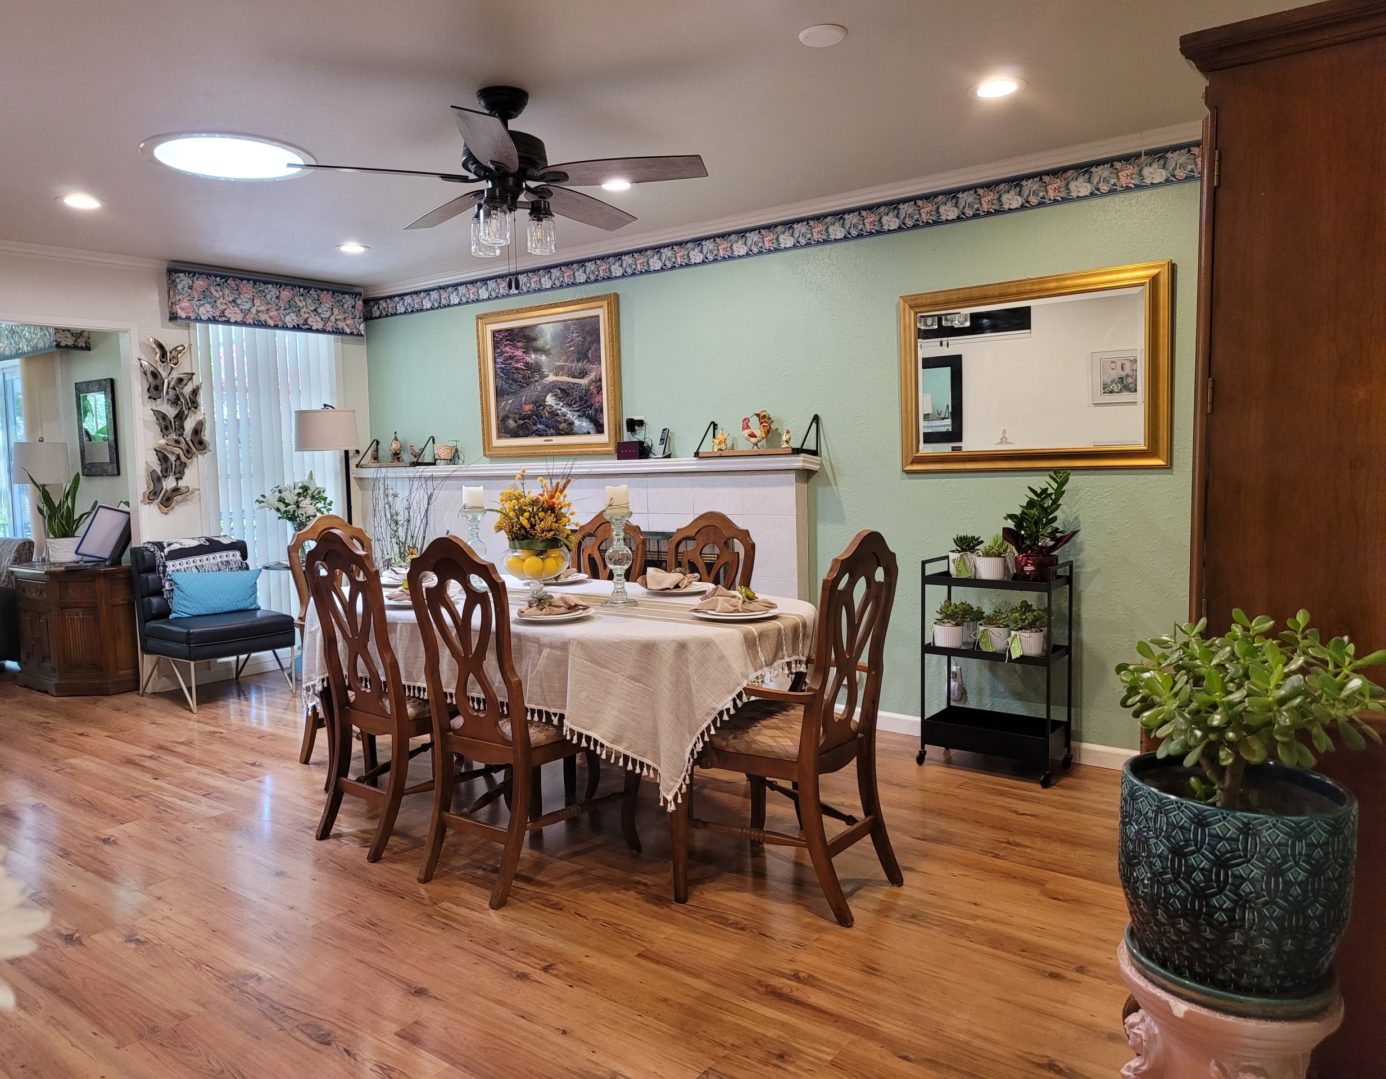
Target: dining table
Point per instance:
(642, 685)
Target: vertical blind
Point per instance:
(253, 381)
(14, 502)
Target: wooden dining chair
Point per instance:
(591, 541)
(797, 736)
(464, 618)
(716, 548)
(298, 551)
(365, 692)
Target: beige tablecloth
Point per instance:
(642, 685)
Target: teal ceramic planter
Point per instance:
(1248, 903)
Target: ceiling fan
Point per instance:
(514, 167)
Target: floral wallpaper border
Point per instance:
(1094, 179)
(236, 299)
(22, 339)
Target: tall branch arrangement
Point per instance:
(402, 514)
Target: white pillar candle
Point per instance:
(618, 498)
(473, 498)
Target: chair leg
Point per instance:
(444, 791)
(817, 842)
(339, 766)
(394, 795)
(310, 735)
(871, 807)
(679, 828)
(593, 764)
(521, 780)
(757, 802)
(629, 800)
(150, 676)
(536, 793)
(569, 780)
(369, 758)
(288, 674)
(189, 694)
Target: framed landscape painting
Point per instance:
(1116, 377)
(550, 378)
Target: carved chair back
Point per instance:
(716, 548)
(299, 545)
(592, 540)
(464, 621)
(849, 652)
(362, 672)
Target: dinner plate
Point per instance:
(738, 616)
(556, 619)
(576, 578)
(697, 588)
(400, 604)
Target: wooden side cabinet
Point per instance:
(77, 630)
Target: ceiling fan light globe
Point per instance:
(480, 248)
(540, 236)
(493, 220)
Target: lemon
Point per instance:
(552, 564)
(515, 564)
(534, 566)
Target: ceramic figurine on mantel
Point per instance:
(396, 449)
(719, 442)
(786, 439)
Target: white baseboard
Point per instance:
(1083, 752)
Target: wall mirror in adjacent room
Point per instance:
(1068, 371)
(96, 427)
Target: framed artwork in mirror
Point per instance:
(96, 427)
(1022, 374)
(550, 378)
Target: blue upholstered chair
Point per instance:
(238, 634)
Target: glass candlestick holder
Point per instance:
(618, 557)
(473, 518)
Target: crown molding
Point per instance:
(943, 181)
(73, 254)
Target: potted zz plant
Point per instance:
(993, 560)
(962, 558)
(61, 521)
(1033, 530)
(1236, 858)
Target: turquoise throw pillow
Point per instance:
(215, 593)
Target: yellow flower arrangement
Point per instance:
(540, 522)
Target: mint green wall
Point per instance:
(815, 331)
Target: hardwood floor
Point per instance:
(198, 928)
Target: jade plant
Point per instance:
(965, 543)
(955, 613)
(1024, 616)
(60, 517)
(1225, 701)
(1034, 527)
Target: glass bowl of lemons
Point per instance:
(536, 561)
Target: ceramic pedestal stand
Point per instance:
(1174, 1038)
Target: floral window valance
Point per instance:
(22, 339)
(235, 299)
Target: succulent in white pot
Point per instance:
(948, 624)
(1031, 625)
(994, 631)
(993, 560)
(962, 559)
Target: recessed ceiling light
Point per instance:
(80, 200)
(823, 35)
(616, 183)
(227, 157)
(997, 86)
(351, 247)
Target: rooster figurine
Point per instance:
(766, 423)
(751, 432)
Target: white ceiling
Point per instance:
(367, 82)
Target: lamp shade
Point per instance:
(325, 429)
(46, 462)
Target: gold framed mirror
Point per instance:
(1068, 371)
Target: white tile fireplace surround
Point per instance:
(768, 496)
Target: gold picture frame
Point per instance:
(1157, 377)
(542, 389)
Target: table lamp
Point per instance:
(328, 428)
(45, 462)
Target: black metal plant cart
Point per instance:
(1037, 741)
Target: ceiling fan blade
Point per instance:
(638, 170)
(487, 138)
(590, 211)
(445, 212)
(451, 177)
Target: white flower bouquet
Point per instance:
(298, 503)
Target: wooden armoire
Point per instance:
(1290, 424)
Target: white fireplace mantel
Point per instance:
(767, 495)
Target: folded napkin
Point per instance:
(662, 580)
(551, 605)
(398, 595)
(563, 574)
(723, 601)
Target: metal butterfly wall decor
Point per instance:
(175, 403)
